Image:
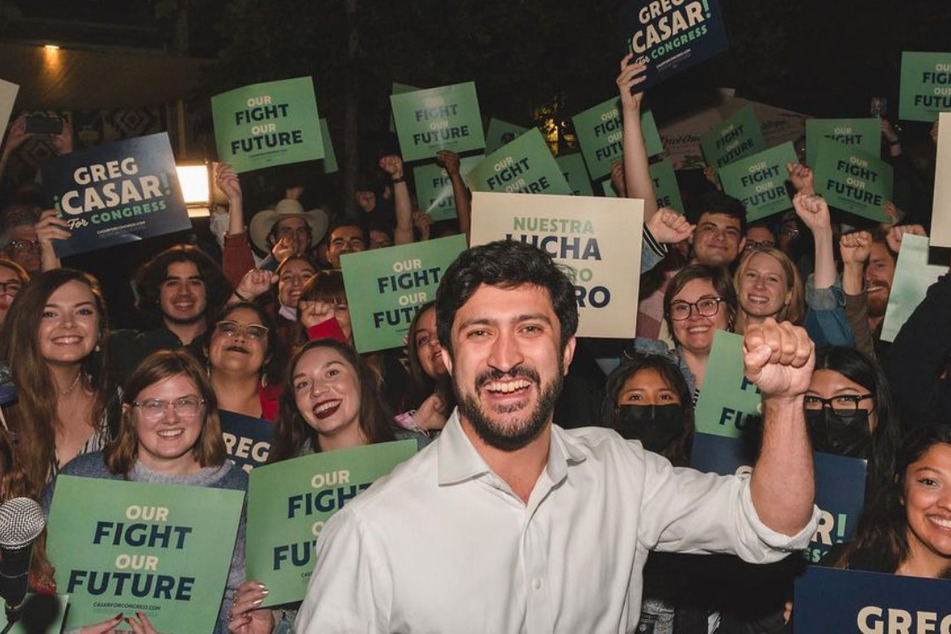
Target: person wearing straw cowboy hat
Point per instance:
(288, 224)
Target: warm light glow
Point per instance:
(51, 47)
(196, 188)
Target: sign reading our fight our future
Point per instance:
(666, 188)
(600, 132)
(159, 549)
(852, 180)
(836, 601)
(736, 136)
(263, 125)
(290, 501)
(116, 193)
(444, 118)
(671, 35)
(759, 181)
(864, 134)
(386, 287)
(573, 167)
(525, 166)
(434, 187)
(925, 86)
(596, 240)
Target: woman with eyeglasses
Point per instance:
(13, 277)
(699, 300)
(169, 433)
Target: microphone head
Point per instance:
(21, 522)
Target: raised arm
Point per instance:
(637, 175)
(236, 257)
(855, 248)
(461, 193)
(48, 228)
(814, 212)
(779, 358)
(403, 233)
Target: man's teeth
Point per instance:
(508, 386)
(323, 407)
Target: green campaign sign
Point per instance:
(925, 86)
(263, 125)
(289, 502)
(728, 401)
(434, 187)
(523, 166)
(759, 181)
(913, 276)
(607, 189)
(665, 185)
(160, 549)
(330, 157)
(387, 286)
(501, 133)
(399, 89)
(852, 180)
(864, 134)
(737, 136)
(444, 118)
(572, 166)
(600, 133)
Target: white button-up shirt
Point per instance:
(443, 544)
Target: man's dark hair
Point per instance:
(716, 202)
(348, 222)
(151, 275)
(505, 264)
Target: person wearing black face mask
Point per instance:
(839, 425)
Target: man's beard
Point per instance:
(878, 303)
(523, 432)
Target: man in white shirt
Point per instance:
(508, 523)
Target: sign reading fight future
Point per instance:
(116, 193)
(130, 547)
(524, 166)
(290, 501)
(387, 286)
(444, 118)
(434, 187)
(600, 132)
(925, 86)
(572, 166)
(728, 401)
(671, 35)
(759, 181)
(736, 136)
(596, 240)
(8, 95)
(836, 601)
(666, 188)
(863, 134)
(852, 180)
(264, 125)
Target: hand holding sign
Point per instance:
(449, 160)
(227, 181)
(814, 212)
(854, 248)
(894, 236)
(669, 226)
(245, 617)
(141, 626)
(778, 358)
(631, 75)
(801, 178)
(106, 627)
(617, 179)
(63, 142)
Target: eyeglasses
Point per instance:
(843, 406)
(706, 307)
(754, 245)
(23, 245)
(185, 407)
(233, 329)
(10, 288)
(789, 233)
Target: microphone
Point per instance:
(21, 522)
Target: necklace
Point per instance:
(72, 387)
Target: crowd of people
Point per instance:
(261, 328)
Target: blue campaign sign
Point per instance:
(670, 37)
(840, 495)
(115, 194)
(247, 440)
(719, 454)
(834, 601)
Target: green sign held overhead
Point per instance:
(445, 118)
(330, 157)
(864, 134)
(268, 124)
(853, 180)
(131, 547)
(523, 166)
(387, 286)
(399, 89)
(728, 401)
(737, 136)
(434, 187)
(759, 181)
(572, 166)
(925, 86)
(289, 502)
(501, 133)
(600, 132)
(666, 188)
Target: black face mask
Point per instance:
(654, 425)
(841, 436)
